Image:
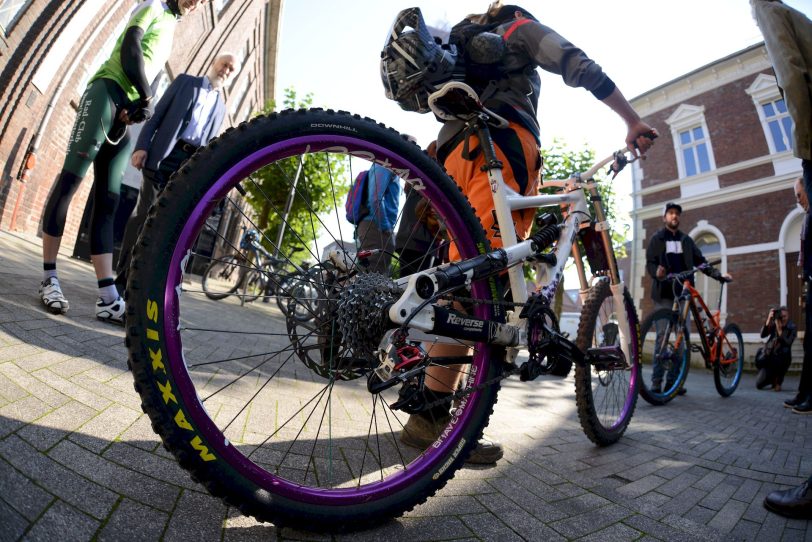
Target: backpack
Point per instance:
(414, 63)
(356, 204)
(480, 51)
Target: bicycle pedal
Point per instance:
(605, 358)
(696, 348)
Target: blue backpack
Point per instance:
(356, 204)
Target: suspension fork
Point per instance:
(616, 285)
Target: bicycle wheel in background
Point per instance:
(727, 371)
(298, 295)
(273, 414)
(606, 384)
(252, 286)
(665, 357)
(222, 277)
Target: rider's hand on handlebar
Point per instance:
(640, 137)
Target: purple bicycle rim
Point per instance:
(631, 394)
(431, 459)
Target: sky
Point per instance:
(332, 50)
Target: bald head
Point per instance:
(800, 194)
(222, 68)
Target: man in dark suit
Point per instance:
(188, 116)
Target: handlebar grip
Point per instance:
(651, 136)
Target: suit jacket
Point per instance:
(788, 38)
(172, 113)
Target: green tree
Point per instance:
(560, 162)
(314, 183)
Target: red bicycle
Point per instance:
(666, 352)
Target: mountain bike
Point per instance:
(666, 354)
(299, 423)
(252, 272)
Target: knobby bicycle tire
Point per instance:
(255, 461)
(679, 358)
(606, 395)
(727, 370)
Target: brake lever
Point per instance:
(621, 161)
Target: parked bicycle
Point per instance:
(299, 422)
(253, 272)
(667, 343)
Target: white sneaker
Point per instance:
(51, 296)
(111, 312)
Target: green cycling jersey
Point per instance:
(158, 24)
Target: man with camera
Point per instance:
(774, 358)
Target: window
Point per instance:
(237, 98)
(219, 5)
(694, 151)
(70, 38)
(9, 11)
(772, 111)
(692, 146)
(241, 55)
(779, 124)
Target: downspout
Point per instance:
(30, 159)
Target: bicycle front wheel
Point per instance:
(222, 277)
(727, 370)
(274, 414)
(606, 384)
(666, 357)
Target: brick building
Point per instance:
(50, 48)
(725, 155)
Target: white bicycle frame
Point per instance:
(505, 201)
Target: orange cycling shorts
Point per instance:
(518, 151)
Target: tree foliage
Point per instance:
(561, 162)
(319, 190)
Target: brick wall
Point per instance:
(743, 222)
(736, 133)
(755, 288)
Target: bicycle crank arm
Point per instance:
(606, 358)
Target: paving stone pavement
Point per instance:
(79, 461)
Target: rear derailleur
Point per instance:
(401, 363)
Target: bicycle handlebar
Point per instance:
(682, 276)
(618, 159)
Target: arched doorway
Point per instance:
(794, 287)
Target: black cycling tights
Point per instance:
(96, 139)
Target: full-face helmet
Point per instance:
(413, 63)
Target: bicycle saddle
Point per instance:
(458, 101)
